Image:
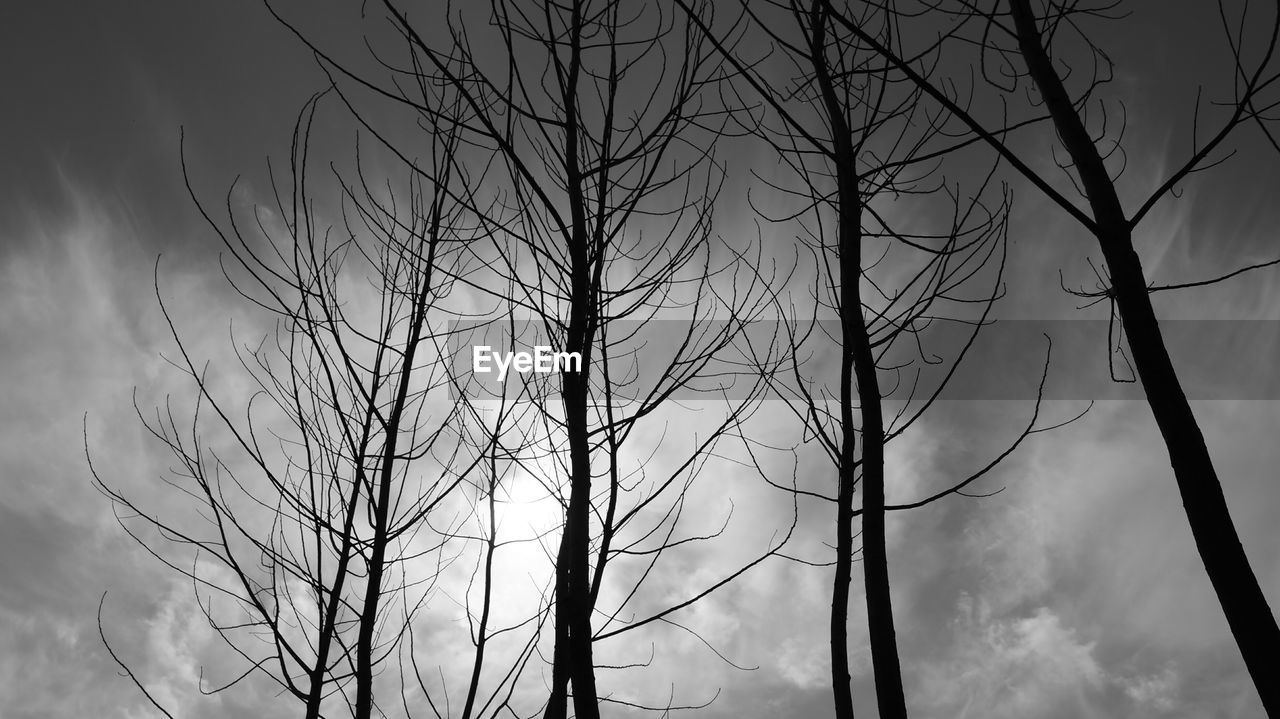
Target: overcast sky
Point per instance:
(1076, 592)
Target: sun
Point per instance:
(525, 509)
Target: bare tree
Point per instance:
(1013, 46)
(863, 145)
(317, 506)
(603, 229)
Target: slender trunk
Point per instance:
(327, 629)
(577, 529)
(373, 584)
(890, 696)
(1248, 614)
(491, 546)
(857, 361)
(850, 272)
(557, 703)
(572, 659)
(840, 676)
(573, 662)
(373, 588)
(386, 475)
(316, 692)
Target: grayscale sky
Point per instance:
(1075, 592)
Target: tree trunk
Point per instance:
(577, 534)
(315, 696)
(572, 658)
(857, 361)
(1245, 606)
(840, 677)
(890, 696)
(363, 708)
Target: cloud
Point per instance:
(1078, 590)
(1035, 665)
(1028, 666)
(1155, 693)
(1075, 593)
(80, 331)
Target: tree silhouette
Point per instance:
(854, 132)
(319, 501)
(1019, 48)
(601, 223)
(558, 189)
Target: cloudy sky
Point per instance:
(1074, 592)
